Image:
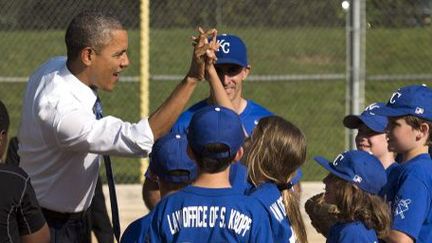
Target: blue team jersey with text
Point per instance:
(353, 232)
(249, 117)
(412, 201)
(137, 231)
(196, 214)
(270, 197)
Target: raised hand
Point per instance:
(200, 53)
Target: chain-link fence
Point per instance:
(297, 50)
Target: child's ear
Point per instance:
(424, 131)
(239, 154)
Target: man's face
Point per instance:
(110, 61)
(232, 76)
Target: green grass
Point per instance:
(317, 107)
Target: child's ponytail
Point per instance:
(291, 202)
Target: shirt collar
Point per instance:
(80, 90)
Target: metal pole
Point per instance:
(356, 37)
(144, 68)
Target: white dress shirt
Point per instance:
(60, 138)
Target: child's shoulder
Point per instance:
(351, 232)
(420, 167)
(265, 192)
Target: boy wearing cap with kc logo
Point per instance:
(409, 132)
(371, 137)
(352, 185)
(174, 170)
(210, 210)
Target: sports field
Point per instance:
(317, 107)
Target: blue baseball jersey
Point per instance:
(249, 117)
(351, 232)
(137, 231)
(196, 214)
(412, 201)
(271, 199)
(392, 175)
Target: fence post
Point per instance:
(356, 68)
(144, 69)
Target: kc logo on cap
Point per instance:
(232, 50)
(357, 167)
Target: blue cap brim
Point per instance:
(222, 60)
(327, 165)
(375, 123)
(391, 112)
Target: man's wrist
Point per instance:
(191, 79)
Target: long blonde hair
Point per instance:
(277, 148)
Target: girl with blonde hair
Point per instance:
(276, 149)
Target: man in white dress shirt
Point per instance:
(60, 137)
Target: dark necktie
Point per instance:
(97, 109)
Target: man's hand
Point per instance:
(200, 53)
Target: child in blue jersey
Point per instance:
(409, 132)
(355, 179)
(174, 170)
(276, 150)
(371, 137)
(210, 210)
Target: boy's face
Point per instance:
(371, 141)
(401, 136)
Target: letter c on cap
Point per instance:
(338, 159)
(395, 95)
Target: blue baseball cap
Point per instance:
(232, 50)
(415, 100)
(368, 117)
(214, 124)
(357, 167)
(169, 157)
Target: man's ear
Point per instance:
(191, 153)
(239, 154)
(247, 71)
(87, 55)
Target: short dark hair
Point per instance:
(211, 165)
(4, 118)
(90, 29)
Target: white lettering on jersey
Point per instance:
(208, 217)
(278, 209)
(239, 222)
(174, 222)
(222, 217)
(213, 216)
